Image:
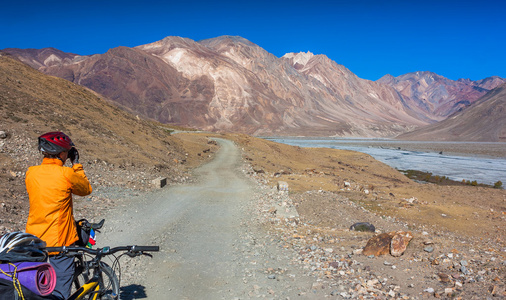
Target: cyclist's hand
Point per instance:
(74, 155)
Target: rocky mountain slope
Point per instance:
(483, 121)
(230, 84)
(435, 97)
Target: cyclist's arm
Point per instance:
(80, 184)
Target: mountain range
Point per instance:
(230, 84)
(484, 121)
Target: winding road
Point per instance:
(210, 247)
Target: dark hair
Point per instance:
(48, 155)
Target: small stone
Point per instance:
(271, 276)
(429, 290)
(159, 182)
(282, 186)
(464, 270)
(358, 251)
(3, 135)
(444, 277)
(428, 249)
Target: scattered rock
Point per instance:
(378, 245)
(428, 249)
(282, 186)
(363, 227)
(394, 242)
(159, 182)
(400, 242)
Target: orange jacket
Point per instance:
(50, 187)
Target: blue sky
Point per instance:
(456, 39)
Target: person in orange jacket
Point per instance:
(50, 186)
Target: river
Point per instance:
(483, 169)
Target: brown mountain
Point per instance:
(435, 97)
(228, 83)
(484, 120)
(32, 103)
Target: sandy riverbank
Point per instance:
(491, 150)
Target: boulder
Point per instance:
(394, 243)
(160, 182)
(363, 226)
(378, 245)
(400, 242)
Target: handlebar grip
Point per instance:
(54, 249)
(98, 225)
(146, 248)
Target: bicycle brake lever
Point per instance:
(131, 254)
(147, 254)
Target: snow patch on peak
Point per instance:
(52, 59)
(300, 58)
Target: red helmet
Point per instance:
(55, 142)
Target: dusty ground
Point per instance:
(314, 256)
(471, 211)
(462, 224)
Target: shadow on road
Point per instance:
(133, 291)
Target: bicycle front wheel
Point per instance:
(109, 284)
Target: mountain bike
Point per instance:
(103, 283)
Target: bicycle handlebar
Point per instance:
(88, 225)
(105, 250)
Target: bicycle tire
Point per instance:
(109, 284)
(109, 289)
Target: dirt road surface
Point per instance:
(211, 248)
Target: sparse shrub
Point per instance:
(498, 185)
(474, 183)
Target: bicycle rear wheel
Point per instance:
(109, 283)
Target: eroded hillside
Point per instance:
(116, 148)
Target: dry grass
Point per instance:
(471, 211)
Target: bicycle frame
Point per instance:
(91, 286)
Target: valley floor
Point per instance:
(294, 244)
(240, 239)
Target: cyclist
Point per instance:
(50, 187)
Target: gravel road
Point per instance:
(228, 235)
(212, 245)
